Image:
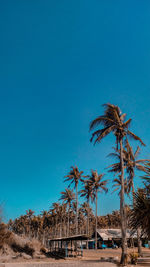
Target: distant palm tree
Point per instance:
(132, 164)
(67, 197)
(114, 121)
(29, 215)
(55, 213)
(87, 192)
(98, 185)
(61, 214)
(74, 176)
(85, 208)
(117, 185)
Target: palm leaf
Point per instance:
(135, 137)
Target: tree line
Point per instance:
(67, 218)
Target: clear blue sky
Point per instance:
(59, 62)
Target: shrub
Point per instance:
(133, 257)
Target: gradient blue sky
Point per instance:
(59, 62)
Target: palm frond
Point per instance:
(137, 152)
(135, 137)
(103, 133)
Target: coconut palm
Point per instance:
(74, 176)
(29, 214)
(87, 212)
(131, 164)
(55, 213)
(87, 192)
(140, 213)
(61, 214)
(67, 197)
(117, 185)
(146, 176)
(113, 121)
(98, 185)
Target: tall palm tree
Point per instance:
(113, 121)
(61, 214)
(74, 176)
(67, 197)
(98, 185)
(55, 211)
(87, 192)
(87, 212)
(131, 164)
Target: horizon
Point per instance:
(59, 63)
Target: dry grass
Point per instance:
(12, 245)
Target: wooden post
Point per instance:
(81, 249)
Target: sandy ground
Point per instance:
(91, 258)
(60, 264)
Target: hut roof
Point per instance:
(109, 234)
(70, 238)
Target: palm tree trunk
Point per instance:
(68, 220)
(87, 226)
(96, 223)
(76, 209)
(122, 210)
(60, 234)
(138, 230)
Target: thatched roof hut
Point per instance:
(113, 234)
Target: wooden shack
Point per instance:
(67, 246)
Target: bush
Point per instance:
(25, 249)
(133, 257)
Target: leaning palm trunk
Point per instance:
(96, 223)
(76, 209)
(122, 210)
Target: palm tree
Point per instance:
(117, 185)
(55, 211)
(114, 121)
(98, 185)
(146, 177)
(140, 213)
(61, 214)
(29, 214)
(74, 176)
(131, 164)
(87, 192)
(68, 196)
(87, 212)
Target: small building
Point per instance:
(70, 246)
(112, 237)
